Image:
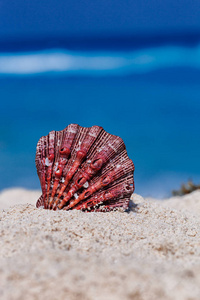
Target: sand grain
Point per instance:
(153, 252)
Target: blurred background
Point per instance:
(132, 67)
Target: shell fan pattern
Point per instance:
(84, 168)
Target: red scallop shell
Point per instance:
(84, 168)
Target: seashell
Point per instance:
(84, 168)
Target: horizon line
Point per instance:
(117, 42)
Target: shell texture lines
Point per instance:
(84, 168)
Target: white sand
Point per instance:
(151, 253)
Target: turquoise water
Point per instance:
(149, 97)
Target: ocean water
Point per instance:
(149, 96)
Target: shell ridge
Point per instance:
(40, 156)
(54, 165)
(117, 192)
(102, 182)
(40, 202)
(114, 173)
(64, 151)
(89, 138)
(50, 161)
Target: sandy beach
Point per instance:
(152, 252)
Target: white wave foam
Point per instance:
(99, 63)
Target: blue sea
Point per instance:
(148, 93)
